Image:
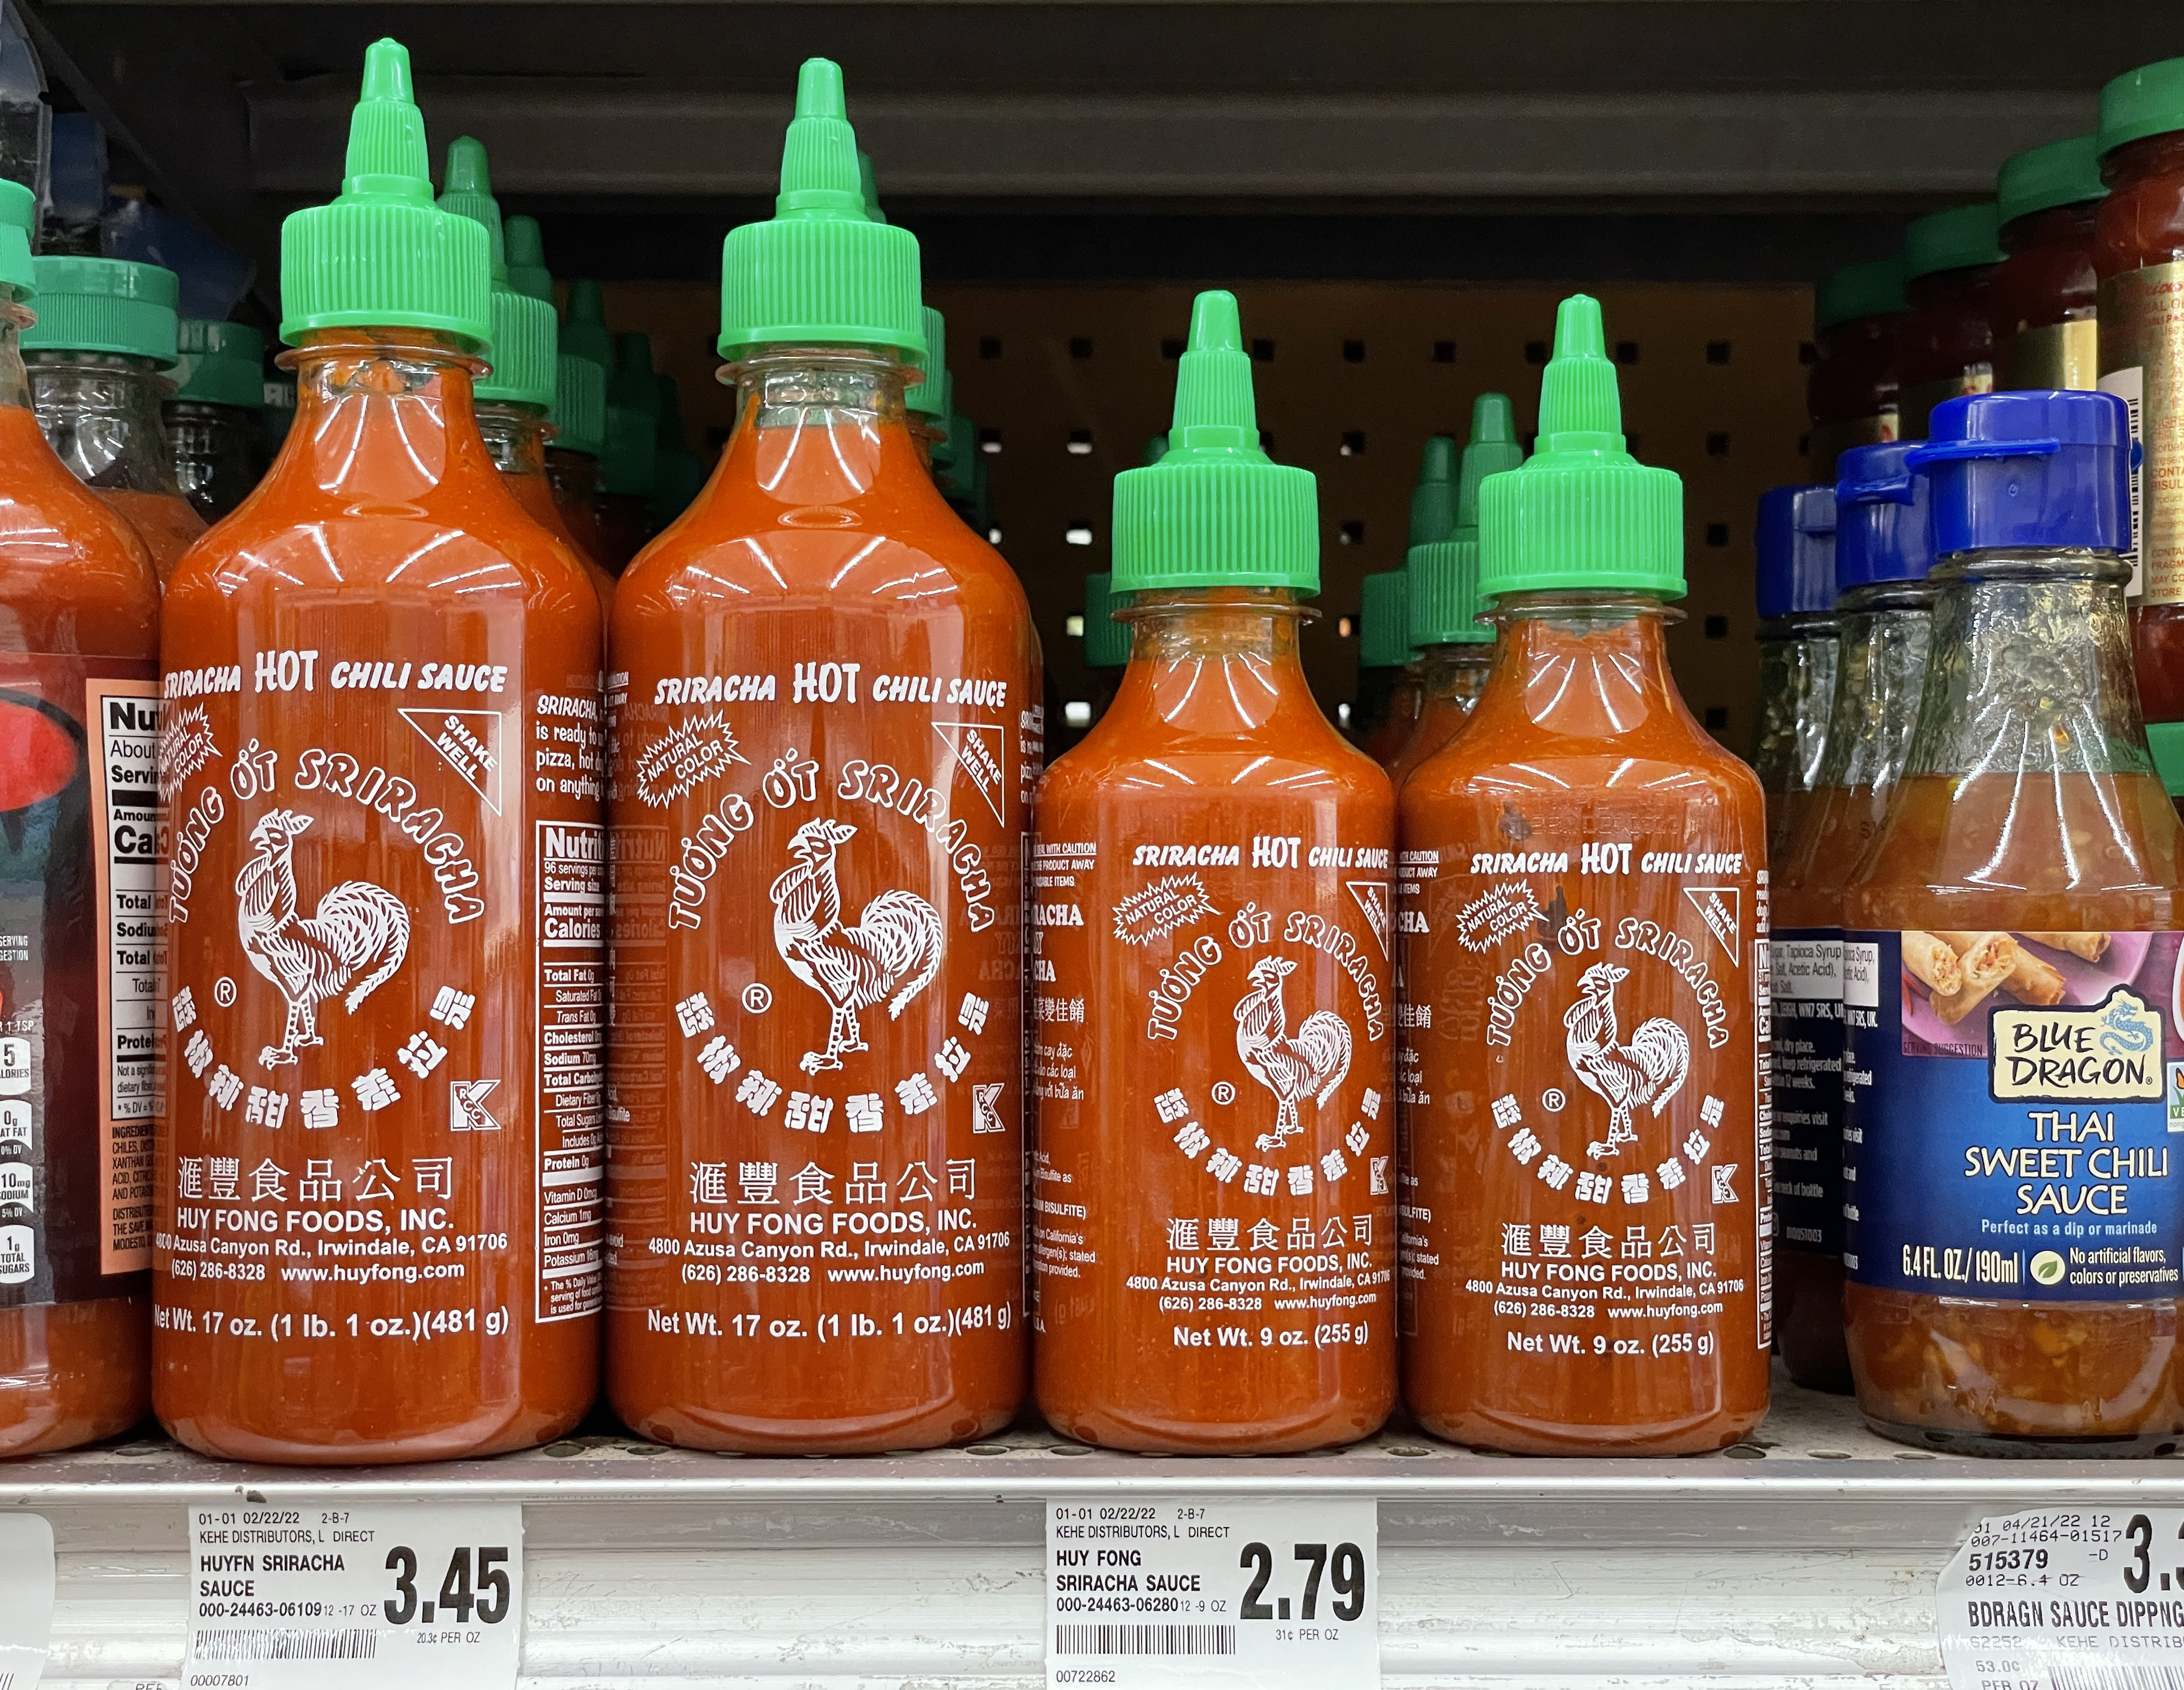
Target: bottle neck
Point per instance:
(1217, 662)
(1589, 665)
(381, 413)
(514, 438)
(575, 475)
(1881, 673)
(101, 413)
(819, 425)
(15, 317)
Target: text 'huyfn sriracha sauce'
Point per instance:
(80, 954)
(827, 728)
(1583, 912)
(1214, 1019)
(379, 1220)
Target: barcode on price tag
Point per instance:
(425, 1596)
(2066, 1599)
(27, 1598)
(1198, 1590)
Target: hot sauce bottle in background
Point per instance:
(1884, 613)
(2013, 1228)
(579, 417)
(827, 730)
(1390, 691)
(1215, 1022)
(379, 1214)
(625, 496)
(105, 332)
(2139, 253)
(2042, 305)
(1457, 650)
(1946, 347)
(80, 955)
(1106, 642)
(213, 430)
(1794, 544)
(1584, 920)
(1859, 315)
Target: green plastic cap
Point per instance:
(1433, 501)
(580, 406)
(1107, 641)
(1443, 591)
(2147, 100)
(18, 215)
(220, 363)
(820, 272)
(585, 330)
(1872, 289)
(1215, 511)
(632, 423)
(1582, 514)
(928, 397)
(1384, 631)
(382, 255)
(526, 251)
(2165, 739)
(2061, 173)
(1962, 237)
(524, 332)
(104, 305)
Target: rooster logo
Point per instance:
(357, 926)
(1650, 1069)
(1311, 1063)
(894, 949)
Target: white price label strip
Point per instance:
(27, 1598)
(1278, 1595)
(2067, 1599)
(425, 1596)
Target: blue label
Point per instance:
(2014, 1103)
(1807, 988)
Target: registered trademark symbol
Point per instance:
(1551, 1101)
(1224, 1093)
(223, 992)
(757, 999)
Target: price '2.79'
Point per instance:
(1346, 1573)
(459, 1598)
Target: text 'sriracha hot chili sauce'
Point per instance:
(1213, 1185)
(1583, 906)
(1946, 348)
(2042, 304)
(1883, 611)
(1455, 649)
(80, 952)
(2139, 255)
(1794, 547)
(1851, 398)
(379, 1219)
(212, 431)
(826, 731)
(1389, 690)
(2013, 1232)
(105, 332)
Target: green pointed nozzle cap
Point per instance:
(1107, 641)
(1582, 514)
(525, 250)
(584, 332)
(1384, 631)
(580, 406)
(468, 192)
(632, 426)
(18, 216)
(1215, 511)
(821, 271)
(868, 186)
(1433, 501)
(928, 397)
(523, 342)
(1444, 590)
(382, 255)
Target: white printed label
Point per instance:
(2057, 1600)
(2129, 385)
(428, 1596)
(1199, 1590)
(1807, 970)
(26, 1616)
(1861, 976)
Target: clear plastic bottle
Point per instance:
(213, 428)
(1794, 541)
(1946, 347)
(2010, 967)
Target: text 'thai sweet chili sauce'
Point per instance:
(1585, 1196)
(1456, 650)
(1214, 1019)
(2013, 1234)
(104, 335)
(80, 952)
(1852, 396)
(1390, 692)
(379, 1207)
(1946, 348)
(2042, 302)
(826, 693)
(1794, 549)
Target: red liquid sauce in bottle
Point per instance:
(2139, 253)
(80, 608)
(105, 332)
(826, 731)
(387, 893)
(1946, 347)
(1584, 1073)
(2043, 304)
(1852, 396)
(212, 431)
(1216, 1019)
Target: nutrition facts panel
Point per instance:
(125, 795)
(572, 866)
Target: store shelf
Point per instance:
(1807, 1556)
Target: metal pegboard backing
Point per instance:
(1067, 383)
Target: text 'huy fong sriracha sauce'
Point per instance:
(79, 952)
(1214, 1021)
(1582, 907)
(379, 1220)
(827, 727)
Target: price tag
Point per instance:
(426, 1595)
(26, 1614)
(2066, 1599)
(1200, 1590)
